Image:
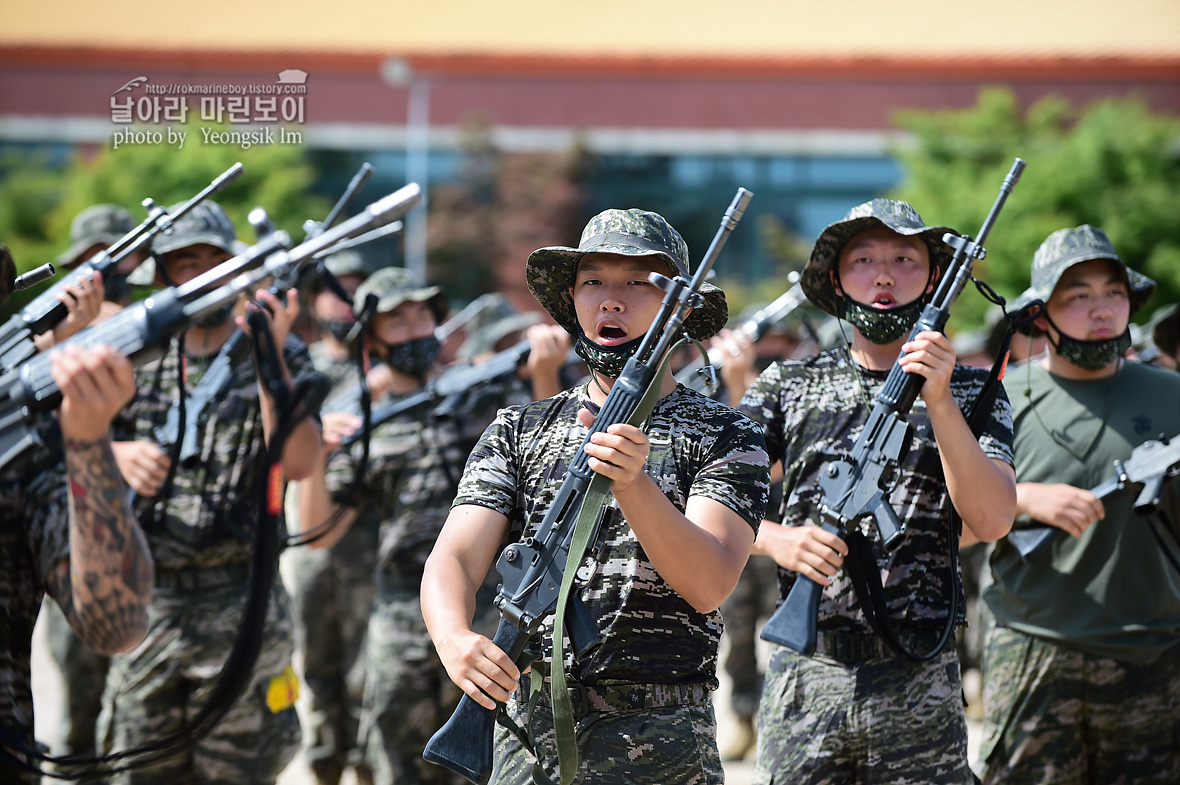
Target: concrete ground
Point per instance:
(47, 687)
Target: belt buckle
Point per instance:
(843, 648)
(579, 699)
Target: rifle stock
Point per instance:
(533, 569)
(464, 743)
(857, 484)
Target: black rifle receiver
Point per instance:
(532, 570)
(703, 378)
(45, 311)
(142, 331)
(856, 485)
(1150, 464)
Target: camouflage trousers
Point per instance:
(879, 720)
(154, 689)
(674, 744)
(408, 695)
(84, 676)
(752, 600)
(1056, 715)
(332, 592)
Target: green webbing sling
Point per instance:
(584, 529)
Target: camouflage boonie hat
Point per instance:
(485, 340)
(396, 285)
(101, 224)
(1067, 247)
(890, 213)
(347, 262)
(205, 224)
(550, 272)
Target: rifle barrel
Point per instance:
(33, 277)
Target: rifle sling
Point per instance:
(867, 582)
(584, 531)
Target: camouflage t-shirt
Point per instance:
(415, 461)
(34, 538)
(211, 514)
(698, 448)
(812, 412)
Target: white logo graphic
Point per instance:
(292, 76)
(130, 86)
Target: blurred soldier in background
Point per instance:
(201, 521)
(332, 589)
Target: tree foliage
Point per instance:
(502, 206)
(38, 200)
(1113, 164)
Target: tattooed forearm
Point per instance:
(107, 584)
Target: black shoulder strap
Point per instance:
(867, 582)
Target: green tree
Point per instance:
(1113, 164)
(38, 201)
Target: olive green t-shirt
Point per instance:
(1110, 592)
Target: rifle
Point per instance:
(703, 378)
(1150, 464)
(445, 391)
(45, 311)
(193, 411)
(534, 569)
(461, 319)
(856, 485)
(143, 331)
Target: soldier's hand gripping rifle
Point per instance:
(218, 378)
(703, 378)
(857, 485)
(534, 571)
(1150, 464)
(142, 331)
(46, 312)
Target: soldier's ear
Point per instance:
(935, 275)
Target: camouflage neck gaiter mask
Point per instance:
(883, 326)
(606, 360)
(1090, 355)
(413, 358)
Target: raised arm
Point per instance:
(105, 585)
(983, 489)
(700, 552)
(303, 445)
